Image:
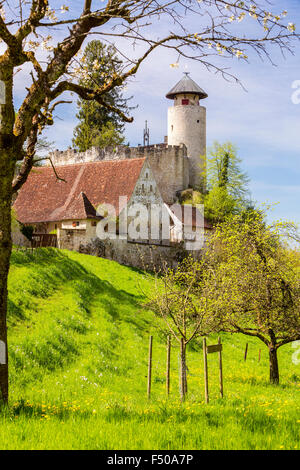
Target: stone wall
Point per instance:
(18, 238)
(70, 238)
(94, 154)
(143, 256)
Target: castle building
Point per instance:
(122, 177)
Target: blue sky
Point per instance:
(262, 122)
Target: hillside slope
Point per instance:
(78, 341)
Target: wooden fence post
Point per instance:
(149, 367)
(168, 364)
(220, 369)
(205, 371)
(246, 352)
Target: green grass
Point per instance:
(78, 341)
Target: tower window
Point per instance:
(185, 101)
(172, 127)
(198, 120)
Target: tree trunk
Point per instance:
(183, 378)
(274, 370)
(6, 176)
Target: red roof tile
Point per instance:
(43, 198)
(80, 208)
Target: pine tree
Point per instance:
(98, 125)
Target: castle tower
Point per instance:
(187, 125)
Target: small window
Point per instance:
(146, 175)
(151, 189)
(143, 187)
(185, 101)
(172, 127)
(198, 121)
(94, 223)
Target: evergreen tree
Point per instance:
(224, 171)
(98, 125)
(228, 191)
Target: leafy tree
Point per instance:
(218, 204)
(224, 171)
(99, 126)
(181, 300)
(227, 183)
(27, 231)
(256, 282)
(24, 31)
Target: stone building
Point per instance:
(94, 201)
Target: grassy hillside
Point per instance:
(78, 342)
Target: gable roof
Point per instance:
(80, 208)
(186, 85)
(44, 198)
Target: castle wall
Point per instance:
(171, 171)
(142, 256)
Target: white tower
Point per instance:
(187, 125)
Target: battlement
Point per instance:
(119, 152)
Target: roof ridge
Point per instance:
(97, 161)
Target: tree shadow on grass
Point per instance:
(15, 312)
(45, 412)
(55, 350)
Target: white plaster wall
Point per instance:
(146, 192)
(187, 125)
(194, 99)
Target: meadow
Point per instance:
(78, 345)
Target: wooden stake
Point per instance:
(182, 370)
(220, 369)
(205, 371)
(168, 365)
(149, 367)
(246, 352)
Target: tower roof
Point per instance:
(186, 85)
